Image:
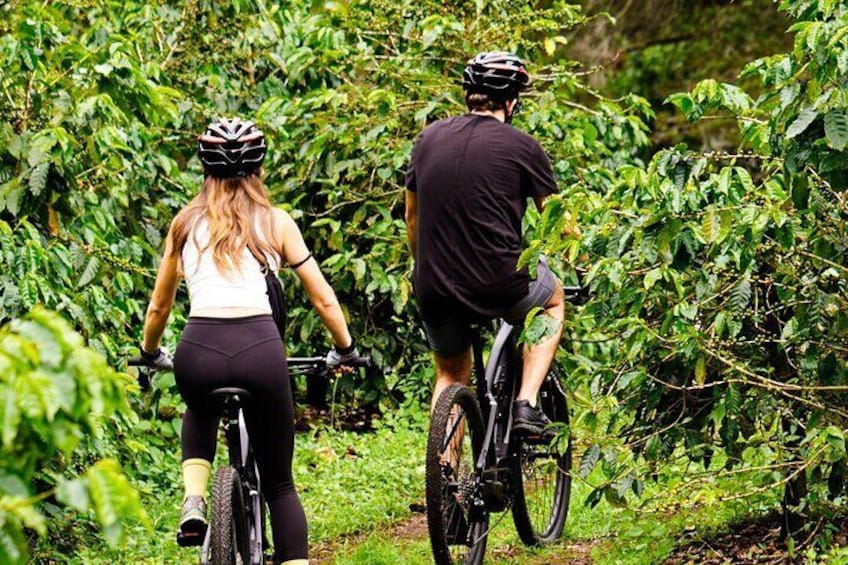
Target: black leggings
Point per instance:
(245, 353)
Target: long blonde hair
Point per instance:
(231, 207)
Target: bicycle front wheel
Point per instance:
(456, 518)
(543, 471)
(229, 538)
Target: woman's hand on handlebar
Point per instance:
(342, 360)
(160, 359)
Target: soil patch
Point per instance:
(754, 542)
(342, 418)
(571, 552)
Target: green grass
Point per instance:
(610, 535)
(355, 486)
(353, 482)
(348, 483)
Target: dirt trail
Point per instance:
(751, 542)
(414, 527)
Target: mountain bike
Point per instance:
(236, 534)
(475, 466)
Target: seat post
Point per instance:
(230, 401)
(478, 369)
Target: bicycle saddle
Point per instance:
(230, 391)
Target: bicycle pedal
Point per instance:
(190, 539)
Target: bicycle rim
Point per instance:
(457, 523)
(541, 502)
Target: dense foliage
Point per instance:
(720, 285)
(717, 327)
(56, 397)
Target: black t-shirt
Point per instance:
(473, 175)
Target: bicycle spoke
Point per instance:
(457, 424)
(453, 518)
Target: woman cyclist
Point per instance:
(221, 242)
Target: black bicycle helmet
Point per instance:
(231, 148)
(499, 74)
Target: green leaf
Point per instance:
(12, 543)
(836, 129)
(589, 460)
(700, 371)
(710, 226)
(113, 499)
(740, 295)
(651, 278)
(538, 326)
(38, 178)
(732, 401)
(10, 413)
(74, 493)
(801, 123)
(90, 271)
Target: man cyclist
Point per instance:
(468, 182)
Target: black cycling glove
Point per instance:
(159, 359)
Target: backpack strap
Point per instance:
(263, 262)
(276, 297)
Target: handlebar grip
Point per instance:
(576, 294)
(321, 362)
(364, 361)
(137, 362)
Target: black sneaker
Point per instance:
(192, 529)
(530, 421)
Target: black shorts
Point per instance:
(451, 335)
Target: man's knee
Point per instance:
(557, 300)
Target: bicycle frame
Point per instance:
(495, 391)
(493, 384)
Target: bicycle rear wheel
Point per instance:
(543, 472)
(229, 536)
(457, 522)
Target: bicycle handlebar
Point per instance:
(321, 362)
(318, 362)
(576, 294)
(143, 376)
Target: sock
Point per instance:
(296, 562)
(196, 474)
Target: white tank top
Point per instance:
(208, 288)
